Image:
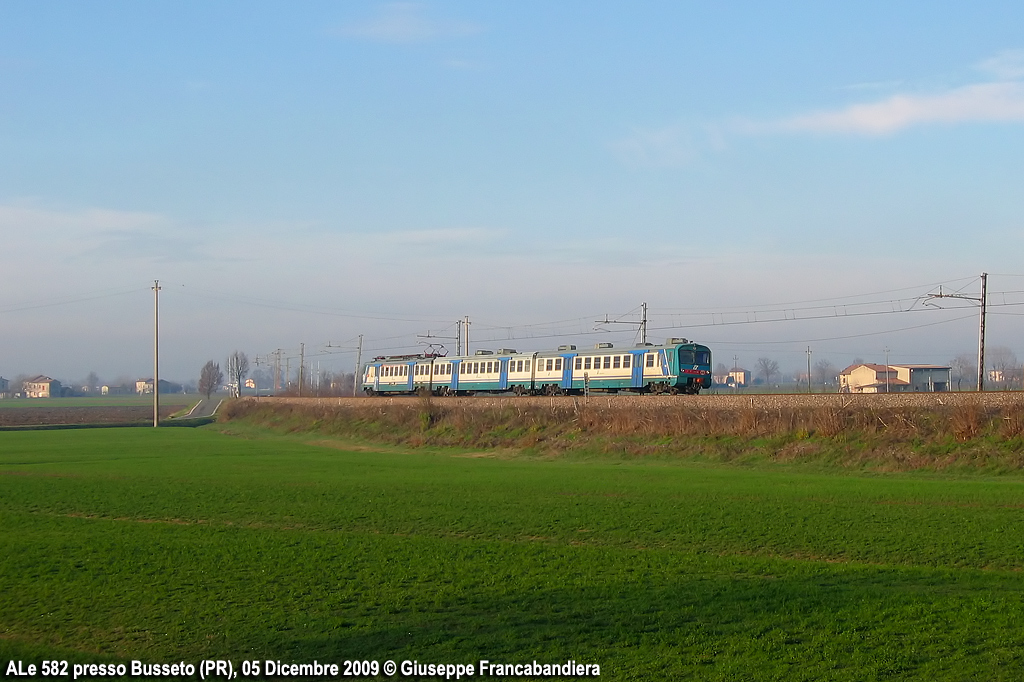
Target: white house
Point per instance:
(870, 378)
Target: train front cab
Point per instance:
(692, 367)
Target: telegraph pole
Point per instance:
(808, 369)
(982, 300)
(359, 363)
(156, 353)
(302, 364)
(277, 371)
(887, 369)
(466, 324)
(643, 326)
(981, 333)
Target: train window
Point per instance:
(616, 362)
(526, 365)
(549, 365)
(586, 363)
(607, 362)
(703, 357)
(685, 357)
(625, 360)
(558, 364)
(490, 367)
(519, 365)
(476, 367)
(650, 359)
(579, 362)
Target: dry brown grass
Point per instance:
(527, 423)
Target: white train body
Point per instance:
(677, 366)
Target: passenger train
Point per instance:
(678, 366)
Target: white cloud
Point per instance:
(984, 102)
(1007, 65)
(406, 22)
(668, 147)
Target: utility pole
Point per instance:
(981, 333)
(887, 369)
(302, 365)
(287, 373)
(809, 369)
(357, 375)
(277, 371)
(643, 326)
(982, 300)
(458, 337)
(156, 353)
(466, 324)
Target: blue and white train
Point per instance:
(678, 366)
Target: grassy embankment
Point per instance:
(966, 437)
(170, 544)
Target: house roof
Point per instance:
(877, 368)
(924, 366)
(38, 379)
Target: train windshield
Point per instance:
(694, 357)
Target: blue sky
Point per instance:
(307, 173)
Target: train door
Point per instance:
(456, 364)
(503, 375)
(567, 371)
(412, 377)
(376, 377)
(638, 369)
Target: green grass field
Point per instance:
(181, 544)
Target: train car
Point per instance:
(677, 366)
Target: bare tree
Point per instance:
(965, 369)
(824, 372)
(238, 368)
(210, 378)
(767, 368)
(264, 378)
